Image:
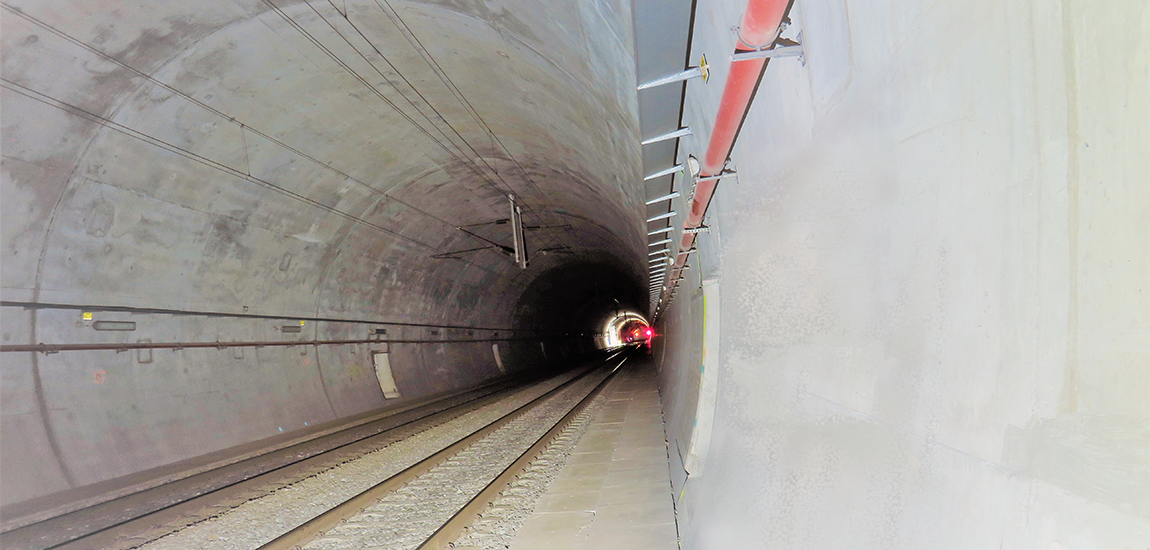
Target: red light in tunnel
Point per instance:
(649, 333)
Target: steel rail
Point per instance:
(319, 525)
(45, 533)
(458, 524)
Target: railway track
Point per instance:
(472, 423)
(435, 502)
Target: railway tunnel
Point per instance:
(809, 274)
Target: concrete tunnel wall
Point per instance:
(923, 307)
(267, 161)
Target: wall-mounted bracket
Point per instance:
(781, 48)
(669, 135)
(663, 198)
(695, 179)
(694, 72)
(664, 172)
(722, 175)
(670, 214)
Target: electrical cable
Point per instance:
(404, 78)
(429, 59)
(298, 27)
(50, 101)
(242, 125)
(426, 101)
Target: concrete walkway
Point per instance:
(614, 493)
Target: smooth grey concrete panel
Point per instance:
(933, 333)
(932, 263)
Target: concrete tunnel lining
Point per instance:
(146, 199)
(918, 318)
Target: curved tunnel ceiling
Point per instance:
(295, 157)
(225, 165)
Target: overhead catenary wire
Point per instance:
(159, 143)
(462, 153)
(458, 157)
(430, 105)
(244, 126)
(412, 38)
(375, 91)
(429, 59)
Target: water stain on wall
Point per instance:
(1103, 458)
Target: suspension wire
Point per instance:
(80, 112)
(429, 59)
(427, 102)
(69, 38)
(396, 88)
(235, 120)
(441, 117)
(298, 27)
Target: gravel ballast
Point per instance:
(405, 518)
(260, 520)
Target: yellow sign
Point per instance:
(703, 68)
(301, 323)
(87, 315)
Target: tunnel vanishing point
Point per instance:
(894, 256)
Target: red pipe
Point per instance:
(758, 30)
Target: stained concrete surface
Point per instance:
(934, 273)
(614, 491)
(932, 266)
(303, 160)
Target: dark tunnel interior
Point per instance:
(587, 292)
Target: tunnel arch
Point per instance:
(619, 322)
(220, 172)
